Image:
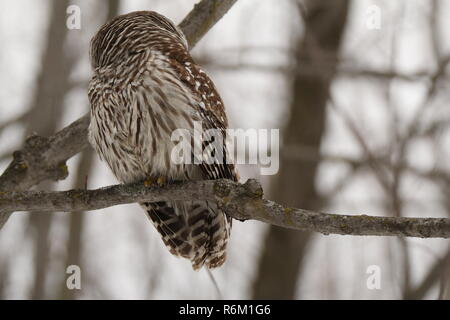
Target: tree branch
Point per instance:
(44, 159)
(241, 201)
(203, 17)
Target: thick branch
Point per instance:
(241, 201)
(44, 159)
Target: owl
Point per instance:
(145, 85)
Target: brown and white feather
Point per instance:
(145, 86)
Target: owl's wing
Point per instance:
(197, 229)
(215, 162)
(216, 156)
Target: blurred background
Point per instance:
(360, 92)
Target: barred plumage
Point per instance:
(145, 86)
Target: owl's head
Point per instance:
(132, 33)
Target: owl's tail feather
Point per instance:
(196, 230)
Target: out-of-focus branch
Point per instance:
(203, 17)
(241, 201)
(306, 153)
(44, 159)
(15, 120)
(431, 278)
(345, 69)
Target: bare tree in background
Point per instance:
(43, 119)
(76, 221)
(284, 249)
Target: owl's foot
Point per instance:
(161, 181)
(155, 181)
(149, 182)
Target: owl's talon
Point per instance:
(161, 181)
(152, 182)
(149, 182)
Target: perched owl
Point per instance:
(145, 86)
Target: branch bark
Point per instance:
(43, 159)
(241, 201)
